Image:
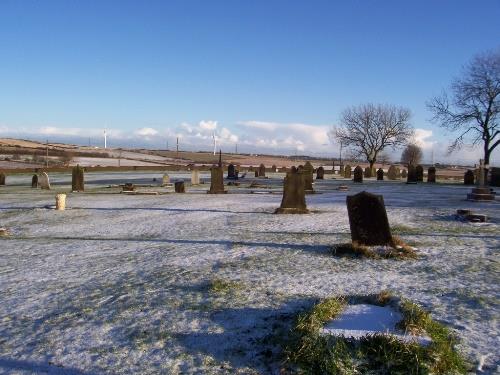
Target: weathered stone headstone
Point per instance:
(179, 187)
(262, 171)
(341, 170)
(368, 172)
(2, 179)
(347, 171)
(308, 172)
(412, 175)
(60, 202)
(392, 173)
(165, 180)
(77, 179)
(431, 174)
(43, 181)
(481, 192)
(495, 176)
(216, 181)
(404, 173)
(195, 177)
(34, 181)
(380, 174)
(469, 178)
(257, 173)
(231, 172)
(358, 174)
(273, 168)
(127, 187)
(419, 172)
(368, 219)
(294, 198)
(320, 173)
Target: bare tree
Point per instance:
(368, 129)
(474, 106)
(412, 154)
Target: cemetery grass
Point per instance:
(307, 351)
(190, 283)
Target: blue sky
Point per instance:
(272, 76)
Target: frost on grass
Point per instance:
(197, 284)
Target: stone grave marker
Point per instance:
(419, 172)
(368, 219)
(347, 171)
(358, 174)
(2, 179)
(195, 177)
(34, 181)
(128, 187)
(404, 173)
(368, 172)
(165, 180)
(469, 178)
(60, 202)
(380, 174)
(431, 175)
(43, 181)
(294, 198)
(262, 171)
(320, 173)
(412, 175)
(179, 186)
(308, 172)
(216, 181)
(392, 173)
(341, 170)
(77, 179)
(231, 172)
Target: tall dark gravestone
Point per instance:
(34, 181)
(380, 174)
(368, 172)
(368, 219)
(179, 186)
(2, 179)
(404, 173)
(469, 178)
(232, 174)
(412, 175)
(320, 173)
(358, 174)
(294, 197)
(431, 175)
(77, 179)
(392, 173)
(262, 171)
(341, 170)
(308, 172)
(347, 171)
(216, 181)
(419, 172)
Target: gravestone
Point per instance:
(469, 178)
(368, 172)
(412, 175)
(481, 192)
(179, 186)
(347, 171)
(60, 202)
(165, 180)
(2, 179)
(495, 176)
(294, 198)
(43, 181)
(404, 174)
(274, 168)
(216, 181)
(262, 171)
(128, 187)
(77, 179)
(34, 181)
(341, 170)
(320, 173)
(231, 172)
(419, 172)
(358, 174)
(392, 173)
(380, 174)
(308, 171)
(431, 175)
(368, 219)
(257, 173)
(195, 177)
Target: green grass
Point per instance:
(308, 352)
(221, 286)
(397, 250)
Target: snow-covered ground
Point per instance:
(121, 284)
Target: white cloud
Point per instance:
(208, 125)
(146, 132)
(421, 138)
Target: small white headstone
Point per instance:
(195, 177)
(43, 181)
(166, 179)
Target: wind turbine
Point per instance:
(105, 144)
(215, 142)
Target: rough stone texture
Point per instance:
(216, 181)
(380, 174)
(165, 179)
(481, 194)
(419, 172)
(232, 174)
(308, 172)
(2, 178)
(469, 178)
(274, 168)
(257, 173)
(392, 173)
(34, 181)
(495, 176)
(262, 171)
(60, 202)
(412, 175)
(358, 174)
(43, 181)
(404, 173)
(341, 170)
(431, 175)
(294, 197)
(347, 171)
(179, 187)
(320, 173)
(368, 219)
(77, 179)
(195, 177)
(368, 172)
(128, 187)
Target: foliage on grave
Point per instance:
(398, 249)
(309, 352)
